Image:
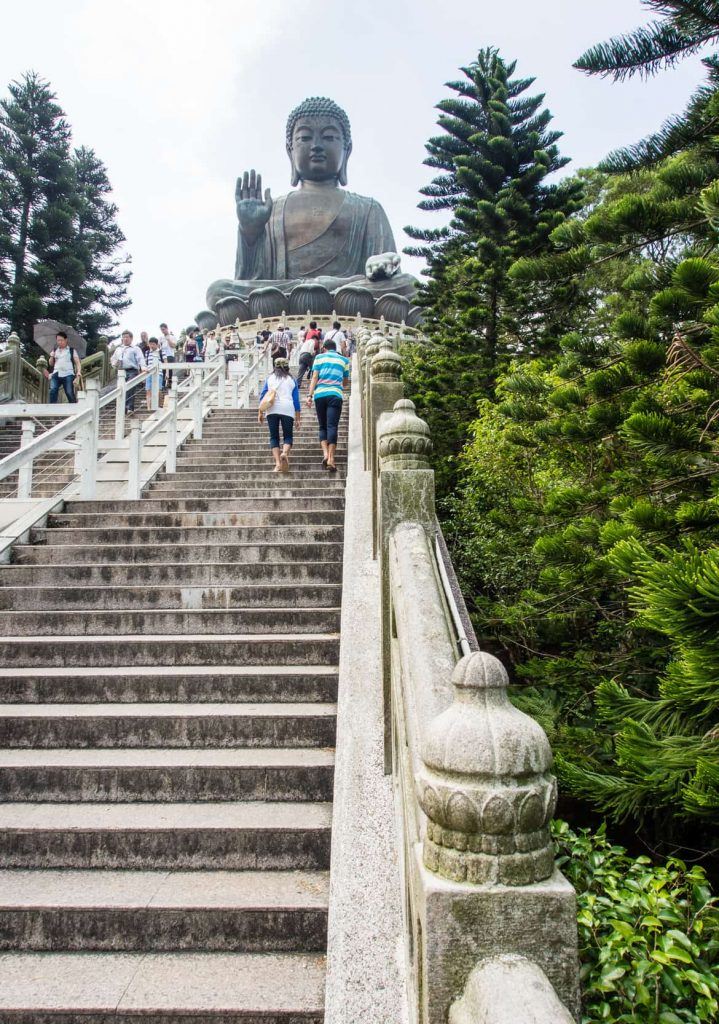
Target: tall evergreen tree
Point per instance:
(586, 528)
(99, 296)
(59, 237)
(495, 154)
(36, 185)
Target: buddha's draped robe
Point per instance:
(335, 257)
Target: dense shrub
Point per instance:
(648, 934)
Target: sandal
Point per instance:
(331, 467)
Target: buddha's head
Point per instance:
(319, 141)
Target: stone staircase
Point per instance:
(167, 723)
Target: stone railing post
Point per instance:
(15, 374)
(368, 353)
(103, 346)
(134, 461)
(24, 474)
(385, 389)
(405, 494)
(489, 886)
(41, 365)
(87, 440)
(120, 405)
(171, 452)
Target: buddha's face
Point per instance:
(318, 149)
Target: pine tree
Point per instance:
(100, 293)
(587, 525)
(684, 27)
(59, 237)
(495, 154)
(36, 186)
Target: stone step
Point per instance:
(150, 506)
(260, 476)
(172, 621)
(253, 458)
(44, 554)
(158, 573)
(142, 684)
(158, 911)
(200, 649)
(130, 598)
(251, 471)
(246, 835)
(223, 447)
(136, 726)
(310, 533)
(273, 489)
(185, 520)
(166, 775)
(169, 988)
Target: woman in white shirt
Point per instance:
(283, 411)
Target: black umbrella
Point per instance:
(45, 331)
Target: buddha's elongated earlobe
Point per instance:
(294, 177)
(342, 176)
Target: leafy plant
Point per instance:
(648, 934)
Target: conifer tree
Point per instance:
(495, 154)
(36, 185)
(96, 300)
(587, 525)
(59, 237)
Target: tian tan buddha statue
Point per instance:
(319, 248)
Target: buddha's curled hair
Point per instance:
(319, 106)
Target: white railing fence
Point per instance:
(150, 448)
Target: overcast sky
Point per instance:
(178, 98)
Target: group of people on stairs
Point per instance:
(280, 403)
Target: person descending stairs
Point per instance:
(167, 722)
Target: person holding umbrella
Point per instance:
(64, 370)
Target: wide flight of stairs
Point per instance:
(167, 719)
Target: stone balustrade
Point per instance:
(490, 922)
(21, 381)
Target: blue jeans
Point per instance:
(329, 410)
(273, 422)
(67, 386)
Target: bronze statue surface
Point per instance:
(319, 245)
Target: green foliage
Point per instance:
(587, 493)
(649, 935)
(58, 232)
(495, 154)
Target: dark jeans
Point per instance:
(67, 386)
(130, 396)
(273, 422)
(305, 367)
(167, 374)
(329, 410)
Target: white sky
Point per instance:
(178, 98)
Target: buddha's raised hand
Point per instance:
(385, 264)
(253, 211)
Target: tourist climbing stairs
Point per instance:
(167, 719)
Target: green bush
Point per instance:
(648, 934)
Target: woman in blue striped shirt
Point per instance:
(330, 370)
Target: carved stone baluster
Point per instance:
(486, 784)
(385, 390)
